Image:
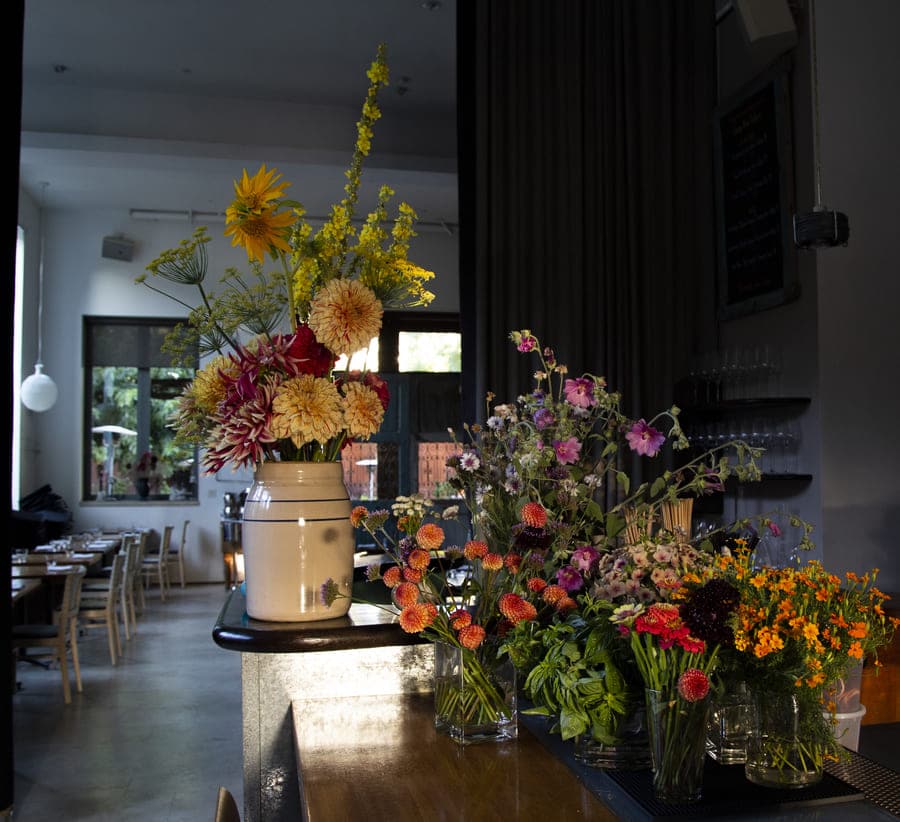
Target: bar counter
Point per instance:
(338, 725)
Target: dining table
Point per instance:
(22, 588)
(37, 566)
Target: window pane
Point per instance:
(433, 471)
(429, 351)
(132, 396)
(366, 359)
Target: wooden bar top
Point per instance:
(374, 758)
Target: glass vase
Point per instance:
(677, 730)
(729, 724)
(474, 694)
(786, 745)
(627, 747)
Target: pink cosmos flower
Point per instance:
(775, 530)
(580, 392)
(567, 451)
(645, 439)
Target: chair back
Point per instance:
(116, 575)
(183, 542)
(166, 539)
(71, 598)
(226, 807)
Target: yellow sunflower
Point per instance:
(345, 316)
(253, 220)
(307, 409)
(363, 411)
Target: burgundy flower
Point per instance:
(569, 579)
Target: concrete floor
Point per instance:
(152, 738)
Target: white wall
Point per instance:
(78, 282)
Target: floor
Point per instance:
(152, 738)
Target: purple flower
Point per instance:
(585, 558)
(526, 343)
(580, 392)
(569, 578)
(543, 418)
(645, 439)
(775, 530)
(567, 451)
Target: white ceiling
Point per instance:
(160, 104)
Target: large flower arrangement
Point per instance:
(562, 445)
(797, 629)
(270, 390)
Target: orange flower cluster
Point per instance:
(499, 589)
(805, 623)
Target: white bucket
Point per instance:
(846, 727)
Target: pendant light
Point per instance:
(38, 391)
(823, 227)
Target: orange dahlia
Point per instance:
(536, 585)
(406, 593)
(475, 549)
(553, 594)
(534, 515)
(512, 562)
(460, 618)
(492, 562)
(392, 577)
(430, 536)
(516, 609)
(415, 617)
(412, 574)
(418, 559)
(358, 515)
(471, 636)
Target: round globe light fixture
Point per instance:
(38, 392)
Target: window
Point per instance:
(131, 392)
(418, 354)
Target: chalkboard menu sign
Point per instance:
(757, 262)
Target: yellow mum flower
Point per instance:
(208, 388)
(307, 409)
(256, 193)
(345, 316)
(363, 411)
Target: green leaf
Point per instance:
(659, 485)
(572, 724)
(623, 480)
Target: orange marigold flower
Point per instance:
(536, 585)
(512, 562)
(475, 549)
(418, 559)
(358, 515)
(415, 618)
(460, 618)
(553, 594)
(412, 575)
(392, 576)
(406, 593)
(492, 561)
(430, 536)
(402, 522)
(516, 609)
(838, 619)
(858, 630)
(471, 636)
(534, 515)
(855, 650)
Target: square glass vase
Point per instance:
(474, 694)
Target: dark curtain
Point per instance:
(586, 199)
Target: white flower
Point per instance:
(469, 462)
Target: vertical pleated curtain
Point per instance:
(586, 196)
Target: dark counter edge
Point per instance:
(366, 626)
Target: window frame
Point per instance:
(90, 322)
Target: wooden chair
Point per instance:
(137, 581)
(226, 807)
(60, 638)
(155, 565)
(99, 607)
(176, 554)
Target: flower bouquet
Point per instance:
(465, 599)
(675, 648)
(270, 390)
(797, 629)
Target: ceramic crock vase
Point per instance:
(296, 536)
